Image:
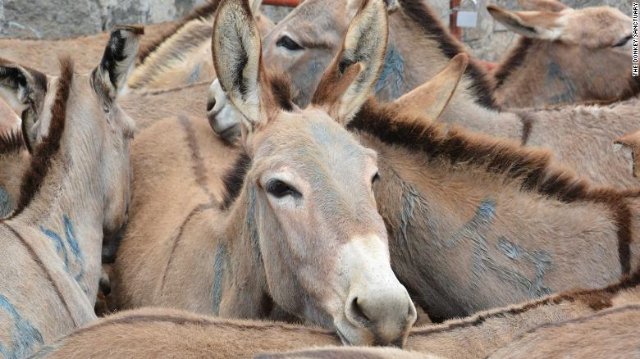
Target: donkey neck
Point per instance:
(68, 208)
(240, 288)
(484, 228)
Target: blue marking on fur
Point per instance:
(195, 74)
(218, 270)
(555, 73)
(5, 203)
(24, 338)
(476, 231)
(392, 76)
(74, 246)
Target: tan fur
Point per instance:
(632, 141)
(347, 353)
(610, 334)
(153, 332)
(566, 56)
(75, 187)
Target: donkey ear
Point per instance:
(632, 142)
(543, 5)
(348, 81)
(534, 24)
(22, 88)
(432, 97)
(110, 77)
(255, 6)
(237, 59)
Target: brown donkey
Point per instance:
(154, 332)
(565, 56)
(75, 189)
(320, 255)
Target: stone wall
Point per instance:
(50, 19)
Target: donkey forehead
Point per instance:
(305, 20)
(314, 142)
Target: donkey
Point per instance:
(347, 353)
(153, 332)
(352, 290)
(183, 55)
(565, 56)
(75, 189)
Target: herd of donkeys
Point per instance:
(348, 182)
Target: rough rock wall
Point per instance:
(50, 19)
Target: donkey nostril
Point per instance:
(211, 104)
(358, 313)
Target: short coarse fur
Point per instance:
(45, 151)
(422, 15)
(207, 10)
(234, 179)
(531, 167)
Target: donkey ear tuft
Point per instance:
(364, 47)
(118, 60)
(22, 88)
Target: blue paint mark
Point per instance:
(218, 270)
(555, 73)
(476, 231)
(195, 74)
(5, 203)
(392, 76)
(72, 243)
(57, 241)
(24, 338)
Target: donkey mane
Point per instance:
(203, 11)
(514, 61)
(530, 167)
(11, 142)
(43, 154)
(596, 299)
(423, 16)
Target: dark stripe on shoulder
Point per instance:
(176, 241)
(43, 154)
(527, 121)
(199, 170)
(234, 180)
(37, 260)
(419, 12)
(514, 61)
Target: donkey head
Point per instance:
(304, 43)
(593, 27)
(323, 245)
(81, 104)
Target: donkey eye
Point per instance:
(375, 178)
(286, 42)
(623, 41)
(280, 189)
